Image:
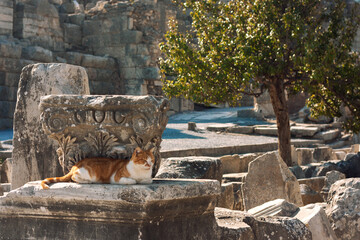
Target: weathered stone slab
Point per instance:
(304, 156)
(315, 183)
(34, 155)
(300, 131)
(314, 217)
(344, 207)
(241, 129)
(237, 163)
(165, 209)
(270, 131)
(268, 179)
(226, 199)
(220, 127)
(330, 178)
(278, 207)
(328, 135)
(191, 167)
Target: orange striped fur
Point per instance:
(106, 170)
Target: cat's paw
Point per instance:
(146, 181)
(127, 181)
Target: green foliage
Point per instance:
(242, 45)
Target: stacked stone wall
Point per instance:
(6, 17)
(116, 42)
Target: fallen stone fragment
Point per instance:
(314, 217)
(344, 207)
(268, 179)
(191, 167)
(278, 207)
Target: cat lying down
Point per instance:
(106, 170)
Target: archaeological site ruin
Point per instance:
(80, 79)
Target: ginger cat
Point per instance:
(138, 169)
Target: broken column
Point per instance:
(34, 155)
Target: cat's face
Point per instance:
(143, 159)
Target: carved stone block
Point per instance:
(103, 125)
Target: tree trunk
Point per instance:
(279, 103)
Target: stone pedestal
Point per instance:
(165, 209)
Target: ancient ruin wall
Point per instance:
(116, 41)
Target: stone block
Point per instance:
(12, 79)
(322, 154)
(300, 131)
(308, 195)
(74, 58)
(343, 208)
(270, 131)
(31, 160)
(330, 178)
(5, 171)
(314, 217)
(165, 209)
(304, 156)
(7, 4)
(230, 163)
(315, 183)
(77, 18)
(72, 33)
(276, 182)
(297, 171)
(98, 62)
(241, 129)
(219, 127)
(10, 50)
(37, 54)
(277, 207)
(230, 227)
(355, 148)
(249, 113)
(191, 167)
(118, 52)
(328, 135)
(263, 227)
(226, 198)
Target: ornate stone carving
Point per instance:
(103, 125)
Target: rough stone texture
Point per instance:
(350, 166)
(103, 125)
(322, 154)
(315, 183)
(191, 167)
(269, 178)
(6, 17)
(231, 227)
(297, 171)
(34, 155)
(237, 163)
(304, 156)
(226, 199)
(263, 227)
(328, 135)
(344, 207)
(165, 209)
(278, 207)
(300, 131)
(234, 177)
(309, 195)
(330, 179)
(314, 217)
(5, 171)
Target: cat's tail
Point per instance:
(66, 178)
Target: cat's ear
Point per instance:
(138, 150)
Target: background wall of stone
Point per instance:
(116, 42)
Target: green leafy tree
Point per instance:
(246, 46)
